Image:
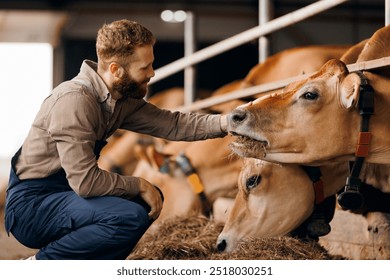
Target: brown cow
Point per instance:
(315, 120)
(326, 117)
(217, 172)
(275, 200)
(293, 62)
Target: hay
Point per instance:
(179, 238)
(194, 238)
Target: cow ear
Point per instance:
(156, 158)
(349, 91)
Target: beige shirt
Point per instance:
(80, 112)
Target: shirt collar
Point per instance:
(88, 73)
(88, 70)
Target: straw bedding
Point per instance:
(194, 238)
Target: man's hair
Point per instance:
(116, 41)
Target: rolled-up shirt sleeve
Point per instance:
(72, 123)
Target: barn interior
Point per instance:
(64, 32)
(70, 28)
(43, 43)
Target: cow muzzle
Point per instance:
(221, 245)
(237, 118)
(242, 122)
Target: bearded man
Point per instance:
(58, 200)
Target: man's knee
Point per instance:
(132, 217)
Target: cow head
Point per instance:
(179, 199)
(310, 121)
(273, 200)
(217, 171)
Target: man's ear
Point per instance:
(116, 70)
(349, 90)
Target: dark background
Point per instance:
(74, 38)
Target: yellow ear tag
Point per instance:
(195, 183)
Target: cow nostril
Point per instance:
(221, 246)
(238, 116)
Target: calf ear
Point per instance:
(349, 91)
(156, 159)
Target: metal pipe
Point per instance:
(189, 49)
(244, 37)
(271, 86)
(264, 17)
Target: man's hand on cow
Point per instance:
(151, 195)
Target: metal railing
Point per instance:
(254, 33)
(269, 87)
(244, 37)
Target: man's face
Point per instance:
(134, 82)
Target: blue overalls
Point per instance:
(47, 214)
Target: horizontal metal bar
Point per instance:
(244, 37)
(268, 87)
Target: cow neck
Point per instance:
(314, 173)
(351, 198)
(318, 222)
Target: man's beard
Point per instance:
(129, 88)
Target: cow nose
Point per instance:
(238, 116)
(221, 245)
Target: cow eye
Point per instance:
(253, 181)
(310, 95)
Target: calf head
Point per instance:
(216, 171)
(179, 199)
(264, 203)
(310, 121)
(274, 200)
